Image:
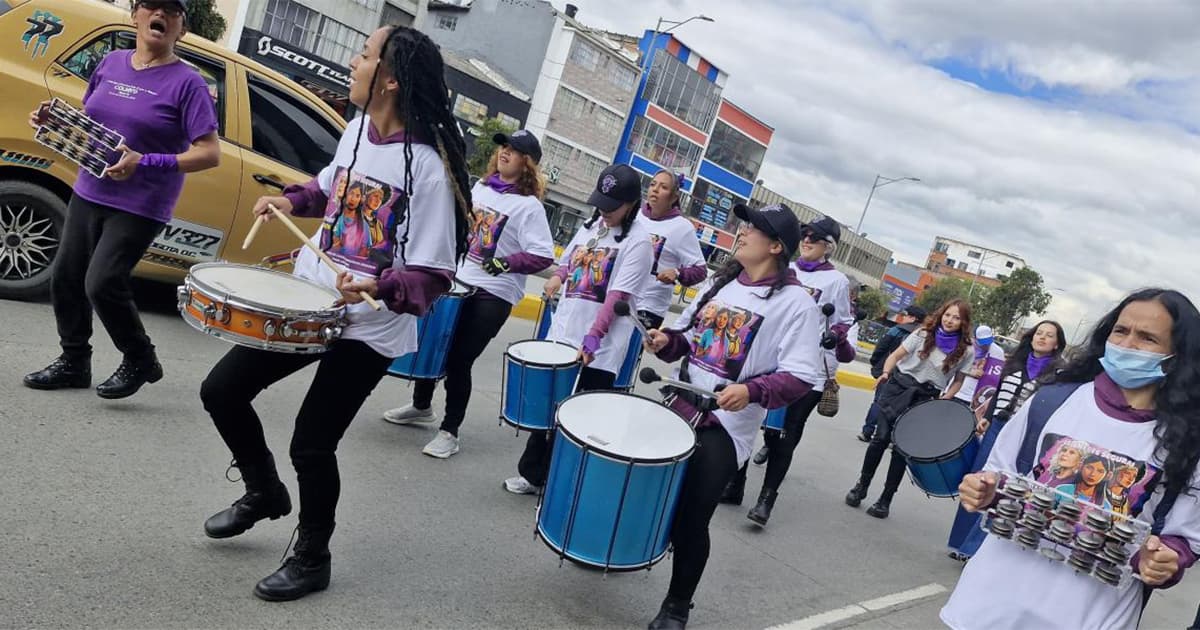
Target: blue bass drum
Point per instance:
(615, 476)
(775, 418)
(937, 437)
(435, 330)
(541, 327)
(537, 376)
(629, 367)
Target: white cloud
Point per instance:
(1099, 203)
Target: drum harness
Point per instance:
(703, 406)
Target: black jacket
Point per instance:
(888, 344)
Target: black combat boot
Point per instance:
(882, 507)
(63, 372)
(761, 512)
(129, 378)
(306, 571)
(857, 493)
(734, 491)
(673, 615)
(266, 497)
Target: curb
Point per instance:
(529, 306)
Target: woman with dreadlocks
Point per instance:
(774, 366)
(415, 153)
(618, 252)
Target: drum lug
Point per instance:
(269, 328)
(288, 330)
(184, 296)
(331, 333)
(223, 315)
(210, 312)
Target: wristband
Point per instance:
(160, 161)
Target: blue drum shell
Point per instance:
(435, 330)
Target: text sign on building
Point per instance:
(273, 52)
(899, 297)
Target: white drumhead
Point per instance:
(543, 352)
(263, 286)
(626, 425)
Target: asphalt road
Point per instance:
(103, 504)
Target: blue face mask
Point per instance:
(1132, 369)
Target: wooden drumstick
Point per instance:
(258, 221)
(320, 254)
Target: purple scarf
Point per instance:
(1035, 365)
(813, 265)
(946, 342)
(499, 185)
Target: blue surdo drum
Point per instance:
(937, 437)
(615, 476)
(537, 376)
(541, 327)
(435, 330)
(775, 418)
(633, 358)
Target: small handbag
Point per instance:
(828, 406)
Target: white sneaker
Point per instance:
(409, 414)
(442, 446)
(519, 485)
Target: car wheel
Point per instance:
(31, 224)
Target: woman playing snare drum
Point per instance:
(773, 366)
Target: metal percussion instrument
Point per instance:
(72, 134)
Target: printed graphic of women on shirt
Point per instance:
(1099, 476)
(589, 272)
(813, 291)
(723, 338)
(1117, 492)
(364, 222)
(1090, 483)
(657, 244)
(376, 197)
(487, 225)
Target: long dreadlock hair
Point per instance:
(729, 272)
(423, 103)
(626, 221)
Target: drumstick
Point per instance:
(258, 221)
(320, 254)
(621, 308)
(649, 376)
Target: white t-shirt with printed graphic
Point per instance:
(595, 265)
(740, 335)
(503, 225)
(1006, 587)
(828, 286)
(363, 231)
(675, 246)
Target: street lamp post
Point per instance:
(978, 270)
(886, 181)
(674, 25)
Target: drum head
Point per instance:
(626, 427)
(263, 287)
(543, 352)
(933, 429)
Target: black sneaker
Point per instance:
(63, 372)
(129, 378)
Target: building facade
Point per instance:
(862, 259)
(904, 283)
(478, 92)
(949, 258)
(511, 36)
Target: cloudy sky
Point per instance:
(1069, 136)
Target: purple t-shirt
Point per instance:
(162, 109)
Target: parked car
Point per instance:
(273, 132)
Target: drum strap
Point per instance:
(703, 406)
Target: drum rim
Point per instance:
(587, 564)
(509, 357)
(930, 460)
(558, 427)
(194, 283)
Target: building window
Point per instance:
(974, 254)
(470, 109)
(655, 142)
(585, 55)
(941, 247)
(714, 205)
(393, 14)
(607, 121)
(735, 152)
(622, 77)
(571, 103)
(950, 262)
(675, 87)
(592, 167)
(290, 21)
(508, 121)
(1008, 264)
(555, 153)
(337, 42)
(962, 266)
(447, 22)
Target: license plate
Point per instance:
(188, 241)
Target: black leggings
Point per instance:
(346, 375)
(534, 464)
(480, 320)
(100, 246)
(709, 469)
(874, 455)
(782, 444)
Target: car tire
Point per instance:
(31, 227)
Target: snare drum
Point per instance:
(614, 481)
(937, 437)
(260, 308)
(435, 330)
(775, 418)
(633, 358)
(541, 328)
(537, 376)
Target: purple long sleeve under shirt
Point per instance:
(308, 200)
(604, 320)
(526, 263)
(411, 291)
(691, 276)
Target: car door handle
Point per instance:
(267, 180)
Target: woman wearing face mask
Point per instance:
(933, 359)
(1136, 398)
(1037, 355)
(826, 285)
(162, 107)
(511, 238)
(677, 255)
(619, 251)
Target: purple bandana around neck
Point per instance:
(813, 265)
(1034, 365)
(499, 185)
(946, 342)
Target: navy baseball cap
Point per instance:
(183, 5)
(825, 229)
(521, 141)
(617, 185)
(776, 220)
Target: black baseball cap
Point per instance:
(914, 311)
(617, 185)
(183, 4)
(521, 141)
(776, 220)
(825, 229)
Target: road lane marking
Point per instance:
(830, 617)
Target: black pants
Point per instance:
(709, 469)
(781, 445)
(480, 320)
(874, 455)
(534, 464)
(650, 320)
(346, 375)
(99, 248)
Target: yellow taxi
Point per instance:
(273, 132)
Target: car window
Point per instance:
(288, 130)
(84, 61)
